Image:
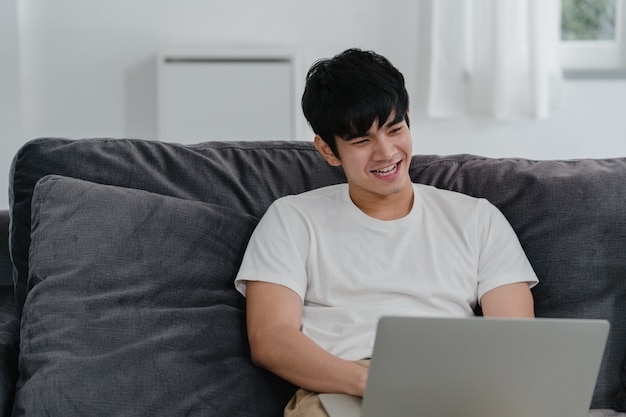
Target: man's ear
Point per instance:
(323, 148)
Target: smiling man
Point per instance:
(322, 267)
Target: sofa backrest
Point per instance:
(244, 176)
(570, 216)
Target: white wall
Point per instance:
(10, 138)
(87, 70)
(590, 122)
(89, 65)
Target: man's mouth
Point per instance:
(386, 171)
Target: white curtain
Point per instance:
(494, 58)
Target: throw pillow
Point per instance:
(131, 308)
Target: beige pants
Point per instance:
(307, 404)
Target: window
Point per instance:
(588, 20)
(593, 35)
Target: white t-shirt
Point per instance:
(350, 269)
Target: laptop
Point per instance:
(479, 367)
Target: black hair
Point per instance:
(346, 94)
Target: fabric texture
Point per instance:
(9, 345)
(6, 268)
(9, 323)
(131, 308)
(351, 269)
(620, 401)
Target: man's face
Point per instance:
(376, 163)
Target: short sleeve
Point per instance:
(502, 259)
(277, 250)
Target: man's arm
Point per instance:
(273, 317)
(511, 300)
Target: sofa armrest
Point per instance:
(9, 346)
(9, 323)
(6, 267)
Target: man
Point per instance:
(322, 267)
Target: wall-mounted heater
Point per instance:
(226, 94)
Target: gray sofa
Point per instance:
(122, 255)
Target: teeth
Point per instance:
(386, 171)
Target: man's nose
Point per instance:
(384, 149)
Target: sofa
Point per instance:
(117, 270)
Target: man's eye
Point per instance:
(360, 141)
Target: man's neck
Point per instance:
(387, 208)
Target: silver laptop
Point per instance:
(479, 367)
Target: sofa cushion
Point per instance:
(131, 308)
(570, 217)
(245, 176)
